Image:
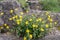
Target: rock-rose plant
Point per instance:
(31, 27)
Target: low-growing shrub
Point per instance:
(31, 27)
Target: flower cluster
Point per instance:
(32, 27)
(5, 26)
(8, 17)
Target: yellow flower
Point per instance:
(55, 22)
(1, 13)
(7, 27)
(30, 36)
(37, 20)
(21, 17)
(33, 25)
(25, 38)
(13, 17)
(16, 16)
(40, 19)
(18, 23)
(47, 25)
(11, 11)
(5, 24)
(17, 20)
(10, 19)
(16, 9)
(30, 20)
(48, 16)
(42, 29)
(27, 30)
(21, 13)
(47, 13)
(26, 22)
(51, 20)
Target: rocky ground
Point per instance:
(7, 36)
(53, 35)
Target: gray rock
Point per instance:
(8, 37)
(52, 37)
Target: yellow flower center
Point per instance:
(48, 16)
(30, 36)
(13, 18)
(16, 9)
(10, 18)
(1, 13)
(21, 13)
(51, 20)
(26, 0)
(7, 27)
(33, 25)
(11, 11)
(16, 16)
(18, 22)
(5, 24)
(47, 25)
(55, 23)
(37, 20)
(27, 31)
(26, 22)
(25, 38)
(30, 20)
(40, 19)
(42, 29)
(21, 17)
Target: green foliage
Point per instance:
(52, 5)
(32, 27)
